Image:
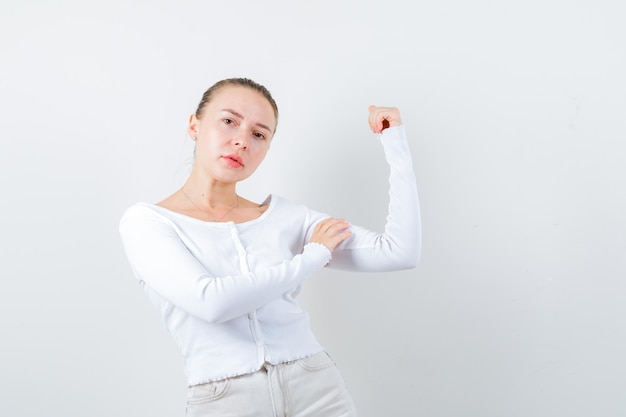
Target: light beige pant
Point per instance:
(309, 387)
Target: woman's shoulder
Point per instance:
(281, 203)
(291, 212)
(142, 209)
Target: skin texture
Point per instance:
(233, 135)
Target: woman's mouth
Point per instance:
(233, 160)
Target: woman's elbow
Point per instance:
(410, 259)
(408, 263)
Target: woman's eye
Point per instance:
(259, 135)
(228, 121)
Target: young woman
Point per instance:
(225, 271)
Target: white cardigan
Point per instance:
(227, 291)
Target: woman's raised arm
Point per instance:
(399, 246)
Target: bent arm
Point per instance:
(399, 246)
(161, 261)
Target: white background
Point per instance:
(516, 116)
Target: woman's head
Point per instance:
(233, 128)
(240, 82)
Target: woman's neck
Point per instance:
(210, 194)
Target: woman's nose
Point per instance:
(240, 141)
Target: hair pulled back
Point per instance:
(242, 82)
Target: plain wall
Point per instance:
(515, 112)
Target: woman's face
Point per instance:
(233, 134)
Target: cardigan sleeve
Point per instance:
(399, 246)
(160, 260)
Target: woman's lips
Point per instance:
(233, 160)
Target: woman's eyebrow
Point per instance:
(233, 112)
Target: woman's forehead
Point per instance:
(244, 101)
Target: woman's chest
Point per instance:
(232, 248)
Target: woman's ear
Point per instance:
(192, 129)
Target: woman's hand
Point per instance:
(330, 232)
(380, 118)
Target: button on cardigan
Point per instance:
(227, 292)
